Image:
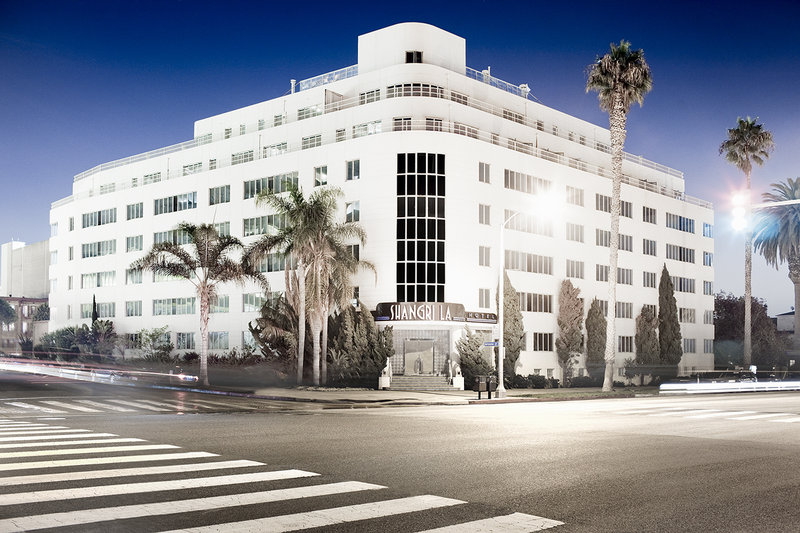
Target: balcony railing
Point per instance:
(330, 77)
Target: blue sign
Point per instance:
(491, 343)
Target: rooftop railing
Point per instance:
(330, 77)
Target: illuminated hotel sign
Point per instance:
(429, 312)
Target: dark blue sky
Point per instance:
(86, 82)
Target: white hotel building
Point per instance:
(432, 157)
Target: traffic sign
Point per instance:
(491, 343)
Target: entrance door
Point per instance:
(418, 356)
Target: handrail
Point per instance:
(328, 77)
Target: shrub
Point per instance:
(536, 381)
(619, 384)
(552, 383)
(585, 381)
(191, 357)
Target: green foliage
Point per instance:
(622, 74)
(595, 340)
(569, 341)
(275, 332)
(42, 313)
(103, 337)
(357, 347)
(471, 358)
(513, 330)
(746, 144)
(62, 342)
(769, 348)
(669, 328)
(154, 346)
(25, 344)
(7, 313)
(647, 347)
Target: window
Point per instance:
(99, 218)
(483, 299)
(649, 215)
(341, 135)
(708, 316)
(542, 342)
(54, 257)
(308, 112)
(414, 56)
(263, 224)
(174, 306)
(184, 341)
(625, 276)
(368, 128)
(483, 173)
(459, 98)
(223, 229)
(525, 262)
(175, 236)
(219, 304)
(708, 288)
(135, 210)
(355, 250)
(484, 212)
(69, 283)
(679, 253)
(464, 129)
(574, 232)
(433, 124)
(133, 308)
(241, 157)
(649, 279)
(275, 149)
(574, 196)
(320, 176)
(70, 253)
(71, 223)
(219, 195)
(484, 255)
(652, 309)
(683, 284)
(242, 129)
(602, 203)
(277, 120)
(402, 124)
(529, 223)
(601, 272)
(352, 211)
(625, 243)
(275, 184)
(369, 96)
(626, 209)
(526, 183)
(708, 230)
(104, 310)
(252, 302)
(574, 269)
(708, 259)
(312, 141)
(193, 168)
(624, 310)
(54, 228)
(708, 345)
(228, 132)
(680, 223)
(689, 346)
(624, 343)
(602, 237)
(212, 164)
(179, 202)
(218, 340)
(353, 170)
(603, 306)
(535, 303)
(648, 247)
(133, 277)
(513, 116)
(95, 249)
(155, 177)
(686, 315)
(262, 124)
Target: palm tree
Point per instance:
(620, 77)
(746, 144)
(314, 241)
(206, 263)
(777, 238)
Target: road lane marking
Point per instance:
(102, 405)
(77, 451)
(74, 518)
(20, 424)
(67, 436)
(74, 407)
(149, 486)
(223, 404)
(513, 523)
(24, 405)
(67, 443)
(177, 404)
(329, 517)
(758, 417)
(723, 413)
(169, 406)
(139, 405)
(787, 420)
(127, 472)
(38, 431)
(31, 465)
(677, 411)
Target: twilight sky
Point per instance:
(86, 82)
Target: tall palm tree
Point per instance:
(205, 263)
(777, 237)
(620, 77)
(313, 240)
(746, 144)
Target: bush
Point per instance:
(585, 381)
(191, 357)
(620, 384)
(520, 382)
(552, 383)
(536, 381)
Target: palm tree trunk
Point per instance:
(301, 313)
(316, 332)
(617, 120)
(324, 349)
(204, 311)
(747, 356)
(794, 275)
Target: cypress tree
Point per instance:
(669, 329)
(595, 340)
(513, 329)
(646, 339)
(570, 328)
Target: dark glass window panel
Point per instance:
(411, 251)
(411, 230)
(401, 293)
(440, 230)
(431, 228)
(410, 273)
(401, 163)
(431, 276)
(420, 228)
(401, 229)
(421, 251)
(431, 251)
(440, 187)
(401, 207)
(420, 272)
(421, 207)
(411, 185)
(440, 272)
(412, 207)
(431, 207)
(420, 162)
(410, 294)
(401, 185)
(440, 164)
(401, 250)
(420, 184)
(440, 207)
(431, 163)
(412, 163)
(431, 185)
(401, 273)
(440, 252)
(440, 293)
(421, 293)
(431, 293)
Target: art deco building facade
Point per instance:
(432, 157)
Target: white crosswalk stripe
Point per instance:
(178, 495)
(700, 414)
(24, 405)
(106, 406)
(65, 405)
(75, 406)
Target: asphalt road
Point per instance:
(702, 463)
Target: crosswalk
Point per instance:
(692, 413)
(108, 405)
(117, 483)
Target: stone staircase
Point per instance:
(420, 383)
